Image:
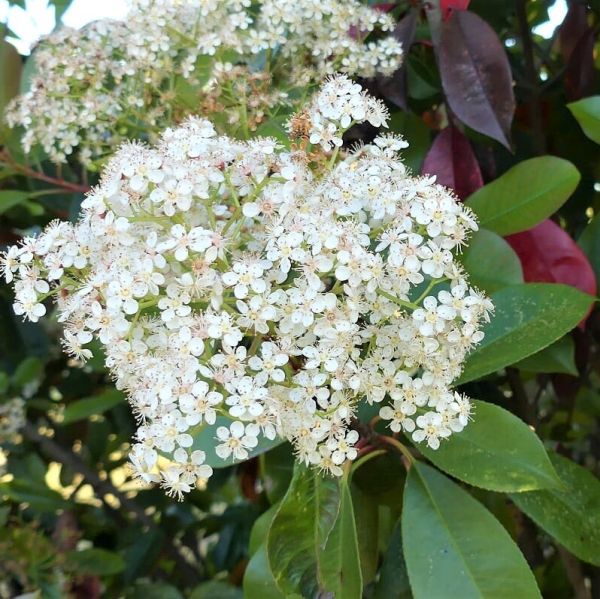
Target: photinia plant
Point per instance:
(275, 289)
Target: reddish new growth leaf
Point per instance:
(572, 29)
(580, 72)
(447, 6)
(576, 44)
(452, 160)
(476, 75)
(384, 6)
(549, 255)
(393, 88)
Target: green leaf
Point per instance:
(527, 319)
(275, 127)
(28, 371)
(10, 73)
(393, 577)
(496, 451)
(413, 128)
(490, 262)
(61, 8)
(259, 582)
(83, 408)
(37, 495)
(10, 198)
(589, 242)
(277, 466)
(260, 529)
(300, 531)
(587, 113)
(142, 554)
(4, 513)
(204, 439)
(153, 590)
(382, 478)
(525, 195)
(190, 94)
(366, 514)
(4, 383)
(558, 357)
(215, 589)
(420, 78)
(99, 562)
(29, 72)
(454, 547)
(570, 514)
(340, 563)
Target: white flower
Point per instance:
(431, 429)
(193, 465)
(341, 447)
(399, 415)
(236, 440)
(246, 276)
(342, 287)
(269, 365)
(247, 398)
(27, 305)
(432, 318)
(160, 40)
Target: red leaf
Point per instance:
(476, 75)
(384, 6)
(447, 6)
(393, 88)
(452, 160)
(572, 29)
(579, 74)
(549, 255)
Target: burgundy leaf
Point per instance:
(572, 29)
(452, 160)
(384, 6)
(579, 75)
(393, 88)
(447, 6)
(549, 255)
(476, 75)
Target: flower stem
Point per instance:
(399, 446)
(397, 300)
(29, 172)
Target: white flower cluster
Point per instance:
(264, 292)
(119, 80)
(12, 418)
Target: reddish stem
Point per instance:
(29, 172)
(364, 450)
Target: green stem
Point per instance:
(399, 446)
(333, 158)
(432, 284)
(397, 300)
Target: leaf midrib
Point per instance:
(482, 86)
